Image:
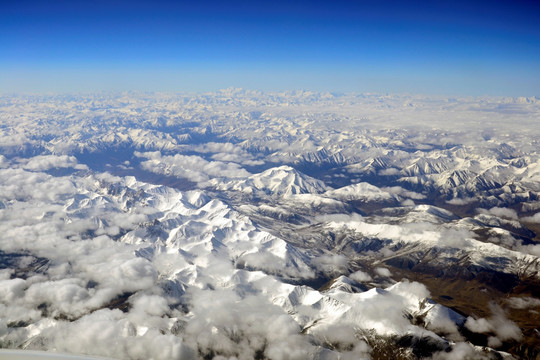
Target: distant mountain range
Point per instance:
(257, 225)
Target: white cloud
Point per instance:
(532, 249)
(247, 326)
(26, 186)
(360, 276)
(456, 237)
(459, 351)
(460, 201)
(389, 172)
(381, 271)
(494, 342)
(267, 262)
(3, 327)
(480, 325)
(11, 289)
(191, 167)
(398, 190)
(331, 263)
(503, 328)
(500, 212)
(408, 203)
(228, 152)
(102, 333)
(407, 289)
(523, 302)
(47, 162)
(153, 305)
(4, 163)
(533, 219)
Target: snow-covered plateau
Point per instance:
(248, 225)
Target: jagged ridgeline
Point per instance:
(250, 225)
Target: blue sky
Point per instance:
(444, 47)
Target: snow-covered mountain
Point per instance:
(288, 225)
(361, 192)
(283, 180)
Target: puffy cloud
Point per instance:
(480, 325)
(408, 202)
(331, 263)
(533, 219)
(533, 249)
(25, 186)
(494, 342)
(389, 172)
(264, 261)
(456, 237)
(500, 212)
(4, 163)
(228, 152)
(523, 302)
(460, 201)
(273, 264)
(360, 276)
(47, 162)
(398, 190)
(11, 289)
(5, 274)
(106, 333)
(150, 304)
(66, 295)
(134, 274)
(360, 351)
(381, 271)
(340, 336)
(443, 320)
(191, 167)
(227, 325)
(17, 312)
(408, 289)
(503, 328)
(459, 351)
(3, 327)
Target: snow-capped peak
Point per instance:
(282, 180)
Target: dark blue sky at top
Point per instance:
(451, 47)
